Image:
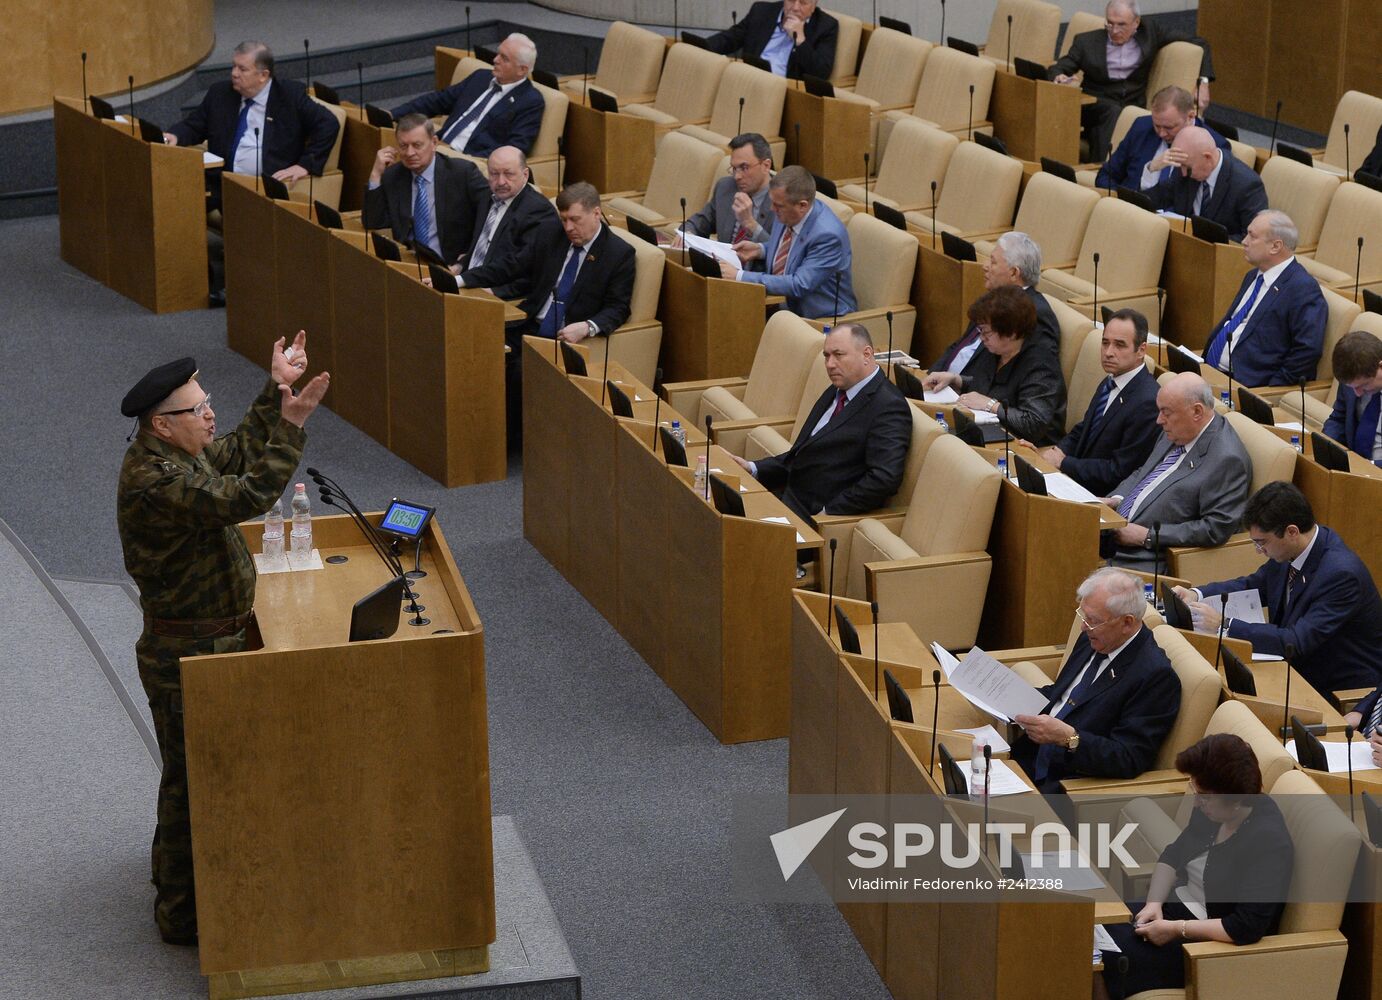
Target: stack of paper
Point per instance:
(944, 658)
(897, 357)
(991, 687)
(714, 248)
(1062, 487)
(945, 395)
(1338, 753)
(1003, 780)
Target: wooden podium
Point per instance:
(1035, 118)
(612, 151)
(340, 791)
(941, 293)
(131, 214)
(1201, 280)
(710, 326)
(834, 134)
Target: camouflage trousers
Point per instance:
(175, 905)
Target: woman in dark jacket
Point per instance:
(1015, 378)
(1225, 878)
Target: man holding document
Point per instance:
(1318, 594)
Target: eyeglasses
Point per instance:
(200, 410)
(742, 168)
(1089, 624)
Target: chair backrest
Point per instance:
(1236, 718)
(1080, 22)
(763, 93)
(917, 154)
(943, 93)
(1199, 693)
(1326, 851)
(1054, 212)
(951, 507)
(1177, 63)
(925, 433)
(847, 39)
(553, 122)
(892, 67)
(1244, 152)
(1074, 328)
(1362, 113)
(468, 65)
(647, 279)
(980, 190)
(788, 349)
(1302, 192)
(690, 77)
(1272, 458)
(884, 262)
(1126, 117)
(842, 211)
(1034, 30)
(1085, 376)
(333, 158)
(1344, 315)
(630, 60)
(1354, 211)
(1130, 242)
(817, 381)
(684, 167)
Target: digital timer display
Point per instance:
(406, 519)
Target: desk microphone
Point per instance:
(311, 197)
(935, 715)
(942, 35)
(873, 606)
(889, 315)
(258, 159)
(1223, 624)
(1156, 562)
(741, 117)
(988, 769)
(1160, 333)
(585, 75)
(133, 131)
(657, 413)
(1302, 409)
(360, 79)
(1347, 176)
(1348, 735)
(934, 185)
(835, 309)
(86, 103)
(1358, 269)
(561, 151)
(307, 54)
(1229, 356)
(708, 420)
(468, 47)
(734, 18)
(970, 126)
(830, 598)
(1271, 146)
(1008, 62)
(675, 19)
(684, 242)
(604, 379)
(866, 182)
(1286, 709)
(1096, 288)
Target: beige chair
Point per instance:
(683, 168)
(1131, 245)
(1344, 315)
(850, 33)
(686, 90)
(1244, 152)
(1080, 22)
(1177, 63)
(943, 97)
(883, 264)
(1054, 213)
(762, 95)
(1362, 113)
(775, 437)
(771, 393)
(1354, 211)
(629, 69)
(542, 158)
(635, 345)
(918, 154)
(979, 193)
(1075, 328)
(1089, 175)
(1319, 406)
(1303, 194)
(842, 211)
(1035, 26)
(888, 76)
(326, 188)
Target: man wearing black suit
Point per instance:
(1116, 63)
(1372, 164)
(487, 110)
(422, 197)
(793, 37)
(1115, 699)
(850, 453)
(1318, 595)
(1211, 184)
(1119, 429)
(295, 133)
(1356, 421)
(508, 213)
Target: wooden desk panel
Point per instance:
(252, 265)
(612, 151)
(593, 568)
(646, 597)
(833, 136)
(941, 293)
(304, 248)
(81, 189)
(1201, 281)
(1035, 118)
(547, 509)
(710, 327)
(358, 148)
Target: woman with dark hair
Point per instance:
(1015, 377)
(1224, 878)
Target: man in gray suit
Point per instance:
(1194, 483)
(739, 207)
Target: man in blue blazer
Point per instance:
(1357, 418)
(487, 110)
(807, 256)
(1119, 428)
(1273, 333)
(1318, 596)
(1115, 699)
(1210, 183)
(1145, 157)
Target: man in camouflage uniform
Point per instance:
(181, 495)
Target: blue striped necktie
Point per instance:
(1096, 416)
(1365, 434)
(472, 113)
(241, 127)
(422, 213)
(1214, 355)
(1170, 459)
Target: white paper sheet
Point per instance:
(1246, 606)
(211, 159)
(1290, 425)
(1337, 755)
(778, 520)
(982, 417)
(1103, 941)
(990, 736)
(992, 687)
(945, 658)
(1189, 353)
(1003, 780)
(1266, 658)
(945, 394)
(897, 357)
(716, 249)
(1062, 487)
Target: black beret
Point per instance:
(157, 386)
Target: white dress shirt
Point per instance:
(490, 99)
(1206, 190)
(245, 157)
(1120, 382)
(1269, 278)
(1055, 709)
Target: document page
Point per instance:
(993, 688)
(1338, 753)
(1062, 487)
(1003, 780)
(716, 249)
(945, 394)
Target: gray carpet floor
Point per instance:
(622, 797)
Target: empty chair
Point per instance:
(883, 265)
(635, 345)
(686, 90)
(1344, 315)
(1362, 113)
(1354, 212)
(1131, 245)
(1035, 26)
(1054, 213)
(979, 194)
(847, 38)
(1177, 63)
(630, 66)
(1075, 328)
(888, 76)
(326, 188)
(943, 96)
(1301, 193)
(918, 154)
(1080, 22)
(748, 100)
(683, 168)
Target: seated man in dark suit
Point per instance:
(1116, 62)
(739, 207)
(1372, 164)
(258, 123)
(488, 109)
(1015, 260)
(507, 214)
(1194, 483)
(1119, 428)
(421, 197)
(1318, 596)
(1115, 699)
(1145, 157)
(1273, 333)
(1210, 183)
(1357, 418)
(851, 451)
(793, 37)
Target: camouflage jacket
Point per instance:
(178, 515)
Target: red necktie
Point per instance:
(784, 247)
(839, 403)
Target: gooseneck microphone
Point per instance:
(1096, 290)
(1302, 410)
(741, 117)
(684, 243)
(468, 46)
(1160, 334)
(866, 182)
(835, 309)
(1008, 62)
(942, 34)
(307, 55)
(604, 378)
(657, 413)
(934, 185)
(935, 715)
(830, 598)
(708, 420)
(1223, 624)
(1156, 563)
(134, 131)
(1286, 707)
(585, 75)
(360, 88)
(873, 606)
(561, 151)
(1358, 269)
(969, 129)
(86, 101)
(1348, 173)
(1348, 735)
(258, 159)
(889, 316)
(988, 770)
(1276, 118)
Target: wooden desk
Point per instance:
(710, 327)
(834, 134)
(1035, 118)
(941, 293)
(358, 148)
(1201, 280)
(1346, 501)
(612, 151)
(340, 791)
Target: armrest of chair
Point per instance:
(731, 434)
(841, 528)
(1350, 697)
(685, 397)
(864, 315)
(1308, 965)
(1318, 388)
(1032, 654)
(1124, 787)
(631, 195)
(941, 597)
(1120, 295)
(1236, 557)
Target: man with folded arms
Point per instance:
(1356, 421)
(1320, 601)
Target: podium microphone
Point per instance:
(1271, 146)
(873, 606)
(133, 131)
(1160, 336)
(1358, 269)
(86, 102)
(561, 150)
(1286, 708)
(830, 598)
(969, 129)
(1348, 735)
(307, 54)
(1302, 408)
(331, 489)
(935, 715)
(604, 378)
(934, 185)
(741, 117)
(866, 182)
(258, 160)
(1348, 172)
(1008, 62)
(1156, 563)
(1096, 290)
(988, 768)
(468, 47)
(889, 315)
(360, 80)
(708, 420)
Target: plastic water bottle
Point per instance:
(1149, 592)
(702, 472)
(1226, 399)
(302, 527)
(1295, 443)
(679, 432)
(940, 419)
(1003, 466)
(273, 536)
(976, 769)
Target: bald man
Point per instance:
(1210, 183)
(1194, 483)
